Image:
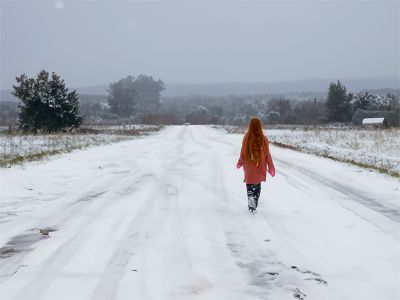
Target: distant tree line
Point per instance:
(339, 106)
(8, 113)
(342, 106)
(129, 100)
(47, 104)
(238, 110)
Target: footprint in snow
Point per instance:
(317, 277)
(299, 294)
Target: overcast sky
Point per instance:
(91, 43)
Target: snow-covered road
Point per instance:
(165, 217)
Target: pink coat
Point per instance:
(252, 173)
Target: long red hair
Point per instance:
(254, 142)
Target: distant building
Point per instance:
(374, 122)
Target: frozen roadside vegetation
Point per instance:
(372, 148)
(16, 147)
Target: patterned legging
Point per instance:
(253, 193)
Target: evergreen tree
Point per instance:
(46, 103)
(338, 104)
(364, 101)
(393, 102)
(309, 111)
(273, 117)
(284, 107)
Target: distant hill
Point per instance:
(100, 89)
(395, 92)
(283, 87)
(294, 87)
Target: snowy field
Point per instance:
(21, 147)
(165, 217)
(378, 149)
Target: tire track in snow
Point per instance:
(79, 202)
(158, 277)
(384, 209)
(138, 231)
(390, 212)
(45, 275)
(62, 255)
(200, 204)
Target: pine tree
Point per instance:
(46, 104)
(338, 104)
(365, 101)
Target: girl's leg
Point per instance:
(257, 193)
(253, 194)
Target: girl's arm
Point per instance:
(241, 157)
(268, 159)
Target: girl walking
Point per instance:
(256, 161)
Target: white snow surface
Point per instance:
(165, 217)
(379, 148)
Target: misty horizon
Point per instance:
(305, 88)
(248, 81)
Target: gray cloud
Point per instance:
(91, 42)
